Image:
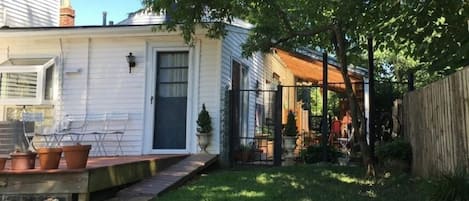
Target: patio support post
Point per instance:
(410, 81)
(325, 127)
(278, 127)
(371, 84)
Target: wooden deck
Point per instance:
(101, 173)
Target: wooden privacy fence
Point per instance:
(436, 121)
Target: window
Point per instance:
(27, 81)
(240, 81)
(173, 74)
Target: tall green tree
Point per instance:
(332, 25)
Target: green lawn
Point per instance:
(299, 183)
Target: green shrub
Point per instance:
(395, 150)
(290, 127)
(452, 187)
(203, 121)
(313, 154)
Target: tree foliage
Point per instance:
(432, 32)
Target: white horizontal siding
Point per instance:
(2, 14)
(111, 88)
(31, 13)
(209, 82)
(231, 49)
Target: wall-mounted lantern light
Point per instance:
(131, 60)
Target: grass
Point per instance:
(299, 183)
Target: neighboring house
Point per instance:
(28, 13)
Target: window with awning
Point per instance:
(27, 81)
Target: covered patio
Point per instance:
(307, 68)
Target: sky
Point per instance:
(90, 12)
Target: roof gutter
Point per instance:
(89, 31)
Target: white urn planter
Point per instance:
(203, 141)
(289, 145)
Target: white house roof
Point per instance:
(146, 16)
(332, 60)
(143, 16)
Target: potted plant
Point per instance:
(290, 133)
(76, 156)
(204, 129)
(3, 161)
(49, 157)
(245, 152)
(22, 158)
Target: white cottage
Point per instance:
(83, 70)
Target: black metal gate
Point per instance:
(255, 127)
(256, 116)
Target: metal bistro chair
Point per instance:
(30, 121)
(345, 141)
(73, 126)
(116, 124)
(95, 126)
(33, 121)
(80, 128)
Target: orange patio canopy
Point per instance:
(310, 69)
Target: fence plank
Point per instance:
(436, 122)
(465, 80)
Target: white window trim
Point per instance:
(40, 83)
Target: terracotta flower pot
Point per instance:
(49, 158)
(2, 163)
(23, 160)
(76, 156)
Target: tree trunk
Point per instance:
(358, 120)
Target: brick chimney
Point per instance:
(67, 14)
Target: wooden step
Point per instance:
(167, 179)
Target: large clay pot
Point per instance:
(23, 160)
(3, 161)
(76, 156)
(204, 141)
(289, 145)
(49, 158)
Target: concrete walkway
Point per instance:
(175, 175)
